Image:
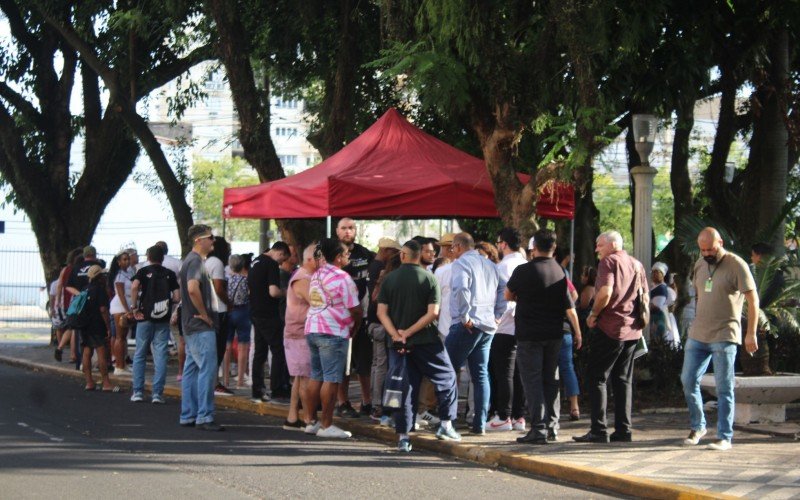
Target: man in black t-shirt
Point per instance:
(358, 269)
(153, 314)
(78, 279)
(263, 280)
(540, 289)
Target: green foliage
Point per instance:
(782, 314)
(614, 203)
(210, 178)
(482, 229)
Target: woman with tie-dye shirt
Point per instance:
(333, 314)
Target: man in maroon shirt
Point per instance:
(614, 337)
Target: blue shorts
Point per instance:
(328, 357)
(239, 324)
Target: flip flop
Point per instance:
(116, 388)
(575, 415)
(92, 388)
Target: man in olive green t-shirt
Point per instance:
(723, 281)
(408, 305)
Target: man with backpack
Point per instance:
(159, 290)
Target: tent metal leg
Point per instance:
(328, 226)
(571, 247)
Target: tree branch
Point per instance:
(18, 28)
(20, 103)
(15, 169)
(164, 74)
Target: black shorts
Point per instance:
(361, 359)
(93, 338)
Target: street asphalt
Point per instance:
(59, 441)
(763, 463)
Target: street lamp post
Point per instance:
(644, 133)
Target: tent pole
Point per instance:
(328, 226)
(571, 247)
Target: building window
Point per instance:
(288, 160)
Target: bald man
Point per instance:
(723, 282)
(358, 269)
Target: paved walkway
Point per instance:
(760, 465)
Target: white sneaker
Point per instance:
(387, 421)
(694, 437)
(313, 428)
(427, 418)
(137, 397)
(497, 425)
(122, 371)
(518, 424)
(721, 445)
(333, 432)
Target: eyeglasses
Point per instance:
(208, 236)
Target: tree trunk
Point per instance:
(756, 365)
(774, 150)
(681, 183)
(587, 221)
(337, 105)
(515, 203)
(252, 103)
(717, 191)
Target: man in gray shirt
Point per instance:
(199, 373)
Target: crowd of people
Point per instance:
(409, 321)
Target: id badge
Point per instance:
(709, 285)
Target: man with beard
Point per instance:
(723, 281)
(358, 269)
(427, 393)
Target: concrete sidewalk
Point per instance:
(764, 462)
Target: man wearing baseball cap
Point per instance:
(387, 249)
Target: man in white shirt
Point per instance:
(507, 392)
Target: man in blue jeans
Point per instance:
(200, 370)
(159, 287)
(474, 310)
(723, 281)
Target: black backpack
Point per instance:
(156, 303)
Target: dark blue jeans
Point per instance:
(431, 361)
(473, 347)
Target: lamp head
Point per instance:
(644, 134)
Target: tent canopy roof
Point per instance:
(392, 170)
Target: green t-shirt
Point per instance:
(408, 290)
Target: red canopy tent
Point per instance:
(392, 170)
(556, 201)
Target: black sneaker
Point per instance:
(365, 410)
(297, 425)
(211, 427)
(346, 410)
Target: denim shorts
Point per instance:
(328, 357)
(239, 324)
